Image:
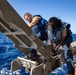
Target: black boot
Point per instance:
(33, 55)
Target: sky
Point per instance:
(63, 9)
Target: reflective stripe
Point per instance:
(65, 51)
(50, 35)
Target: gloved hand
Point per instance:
(54, 52)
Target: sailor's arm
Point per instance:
(64, 34)
(49, 35)
(34, 21)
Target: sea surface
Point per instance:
(9, 53)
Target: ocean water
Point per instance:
(8, 53)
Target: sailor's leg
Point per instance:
(33, 54)
(68, 56)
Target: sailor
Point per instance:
(39, 27)
(62, 36)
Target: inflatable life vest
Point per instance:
(40, 29)
(58, 33)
